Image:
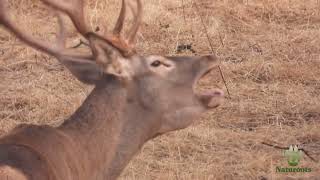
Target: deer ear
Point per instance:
(85, 71)
(108, 57)
(107, 60)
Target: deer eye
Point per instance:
(156, 63)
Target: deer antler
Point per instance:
(56, 50)
(75, 10)
(137, 19)
(35, 43)
(119, 25)
(126, 45)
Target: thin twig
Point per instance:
(80, 43)
(211, 45)
(282, 147)
(221, 40)
(184, 13)
(177, 44)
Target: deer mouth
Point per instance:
(210, 98)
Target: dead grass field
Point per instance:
(270, 52)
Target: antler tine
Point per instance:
(25, 37)
(119, 25)
(74, 9)
(56, 50)
(137, 22)
(62, 35)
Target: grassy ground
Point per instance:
(271, 60)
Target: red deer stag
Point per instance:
(135, 99)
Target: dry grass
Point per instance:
(271, 59)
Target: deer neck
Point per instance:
(110, 128)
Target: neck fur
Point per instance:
(109, 130)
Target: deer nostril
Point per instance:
(210, 61)
(211, 57)
(219, 93)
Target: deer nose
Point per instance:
(210, 60)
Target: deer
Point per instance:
(135, 99)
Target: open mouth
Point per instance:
(210, 98)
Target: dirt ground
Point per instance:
(270, 53)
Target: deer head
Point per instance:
(159, 83)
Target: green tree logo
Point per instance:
(293, 155)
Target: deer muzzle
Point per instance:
(211, 98)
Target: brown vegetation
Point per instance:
(271, 59)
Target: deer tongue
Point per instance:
(211, 98)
